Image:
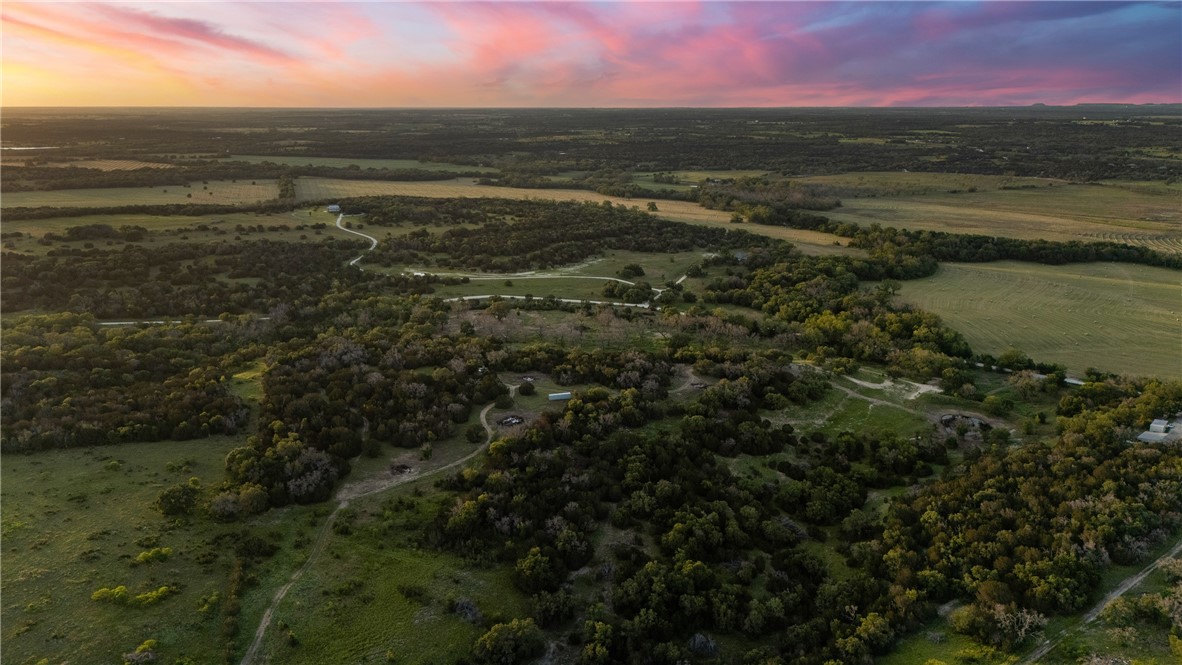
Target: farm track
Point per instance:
(1092, 614)
(345, 495)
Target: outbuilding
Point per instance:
(1159, 426)
(559, 397)
(333, 208)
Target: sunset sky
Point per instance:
(549, 54)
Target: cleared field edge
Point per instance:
(1115, 317)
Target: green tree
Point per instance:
(509, 643)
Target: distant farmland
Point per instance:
(1150, 216)
(215, 192)
(1115, 317)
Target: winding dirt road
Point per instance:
(373, 242)
(345, 495)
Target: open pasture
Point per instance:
(322, 189)
(396, 601)
(75, 520)
(1115, 317)
(342, 162)
(219, 192)
(1148, 216)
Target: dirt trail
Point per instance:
(345, 495)
(373, 242)
(1121, 589)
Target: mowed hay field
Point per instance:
(1116, 317)
(322, 189)
(220, 192)
(1147, 216)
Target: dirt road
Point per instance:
(345, 495)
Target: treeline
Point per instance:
(181, 173)
(980, 249)
(166, 209)
(941, 246)
(751, 192)
(553, 234)
(609, 182)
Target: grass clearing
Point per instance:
(1116, 317)
(74, 521)
(219, 192)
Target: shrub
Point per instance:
(153, 597)
(153, 555)
(509, 643)
(117, 596)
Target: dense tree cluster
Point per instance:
(700, 549)
(70, 382)
(1030, 529)
(175, 279)
(555, 234)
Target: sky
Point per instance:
(589, 54)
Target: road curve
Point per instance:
(373, 242)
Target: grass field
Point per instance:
(74, 520)
(319, 189)
(216, 192)
(341, 162)
(1150, 216)
(1115, 317)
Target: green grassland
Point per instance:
(1115, 317)
(341, 162)
(1125, 213)
(219, 192)
(74, 521)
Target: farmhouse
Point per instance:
(333, 208)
